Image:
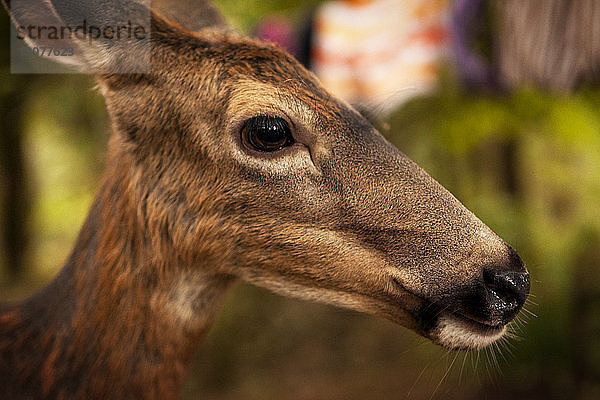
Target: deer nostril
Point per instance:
(498, 295)
(507, 290)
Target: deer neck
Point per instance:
(122, 319)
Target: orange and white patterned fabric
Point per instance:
(378, 53)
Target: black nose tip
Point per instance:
(506, 292)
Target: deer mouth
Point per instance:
(458, 332)
(484, 327)
(455, 330)
(451, 328)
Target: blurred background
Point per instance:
(498, 100)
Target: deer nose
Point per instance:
(506, 292)
(499, 294)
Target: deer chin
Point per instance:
(457, 332)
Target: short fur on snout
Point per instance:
(185, 208)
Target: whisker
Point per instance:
(494, 359)
(512, 336)
(462, 368)
(523, 317)
(445, 375)
(515, 325)
(528, 301)
(530, 313)
(487, 362)
(500, 355)
(518, 324)
(508, 346)
(407, 396)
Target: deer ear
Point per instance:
(193, 15)
(101, 36)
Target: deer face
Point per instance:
(314, 203)
(242, 164)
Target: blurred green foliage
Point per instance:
(527, 163)
(244, 15)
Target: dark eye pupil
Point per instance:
(266, 133)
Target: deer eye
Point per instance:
(266, 133)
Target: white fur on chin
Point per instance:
(455, 333)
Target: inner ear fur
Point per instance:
(103, 55)
(104, 36)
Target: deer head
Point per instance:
(229, 159)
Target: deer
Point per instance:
(229, 161)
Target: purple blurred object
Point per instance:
(280, 30)
(473, 69)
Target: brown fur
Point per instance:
(340, 217)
